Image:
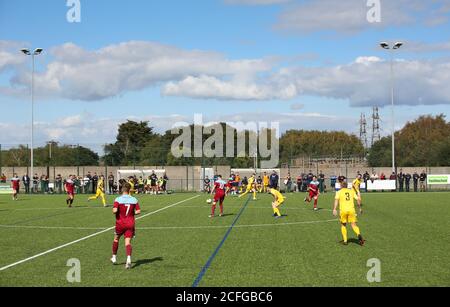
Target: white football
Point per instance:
(209, 201)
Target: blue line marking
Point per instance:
(214, 254)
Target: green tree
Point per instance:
(132, 138)
(423, 142)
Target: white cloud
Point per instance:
(206, 87)
(10, 57)
(350, 16)
(78, 74)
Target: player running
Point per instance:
(313, 190)
(357, 185)
(126, 207)
(15, 185)
(277, 202)
(251, 187)
(220, 190)
(345, 200)
(69, 186)
(100, 191)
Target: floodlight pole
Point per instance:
(32, 116)
(391, 50)
(33, 54)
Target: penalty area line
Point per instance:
(90, 236)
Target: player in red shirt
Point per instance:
(220, 190)
(125, 209)
(15, 185)
(69, 186)
(313, 190)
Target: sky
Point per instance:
(305, 64)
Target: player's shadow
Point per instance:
(353, 241)
(228, 214)
(147, 261)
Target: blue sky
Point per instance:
(302, 52)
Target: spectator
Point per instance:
(111, 183)
(3, 178)
(164, 183)
(35, 183)
(401, 181)
(288, 183)
(416, 182)
(333, 180)
(274, 179)
(408, 182)
(94, 183)
(366, 178)
(58, 183)
(42, 182)
(310, 177)
(305, 183)
(87, 183)
(374, 177)
(393, 177)
(382, 176)
(321, 182)
(46, 184)
(299, 183)
(26, 182)
(423, 181)
(207, 185)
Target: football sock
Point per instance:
(115, 247)
(254, 195)
(67, 200)
(213, 210)
(277, 211)
(103, 200)
(315, 203)
(344, 233)
(356, 230)
(221, 208)
(129, 250)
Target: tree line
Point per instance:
(423, 142)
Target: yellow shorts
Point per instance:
(99, 193)
(348, 217)
(279, 203)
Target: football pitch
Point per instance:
(178, 245)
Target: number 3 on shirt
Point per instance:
(347, 196)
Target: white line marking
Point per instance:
(168, 227)
(90, 236)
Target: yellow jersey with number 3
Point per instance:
(346, 198)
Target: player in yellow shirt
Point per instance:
(356, 186)
(277, 202)
(100, 191)
(251, 187)
(265, 182)
(131, 182)
(345, 200)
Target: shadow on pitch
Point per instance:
(147, 261)
(228, 214)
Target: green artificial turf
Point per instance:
(407, 232)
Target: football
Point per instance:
(209, 201)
